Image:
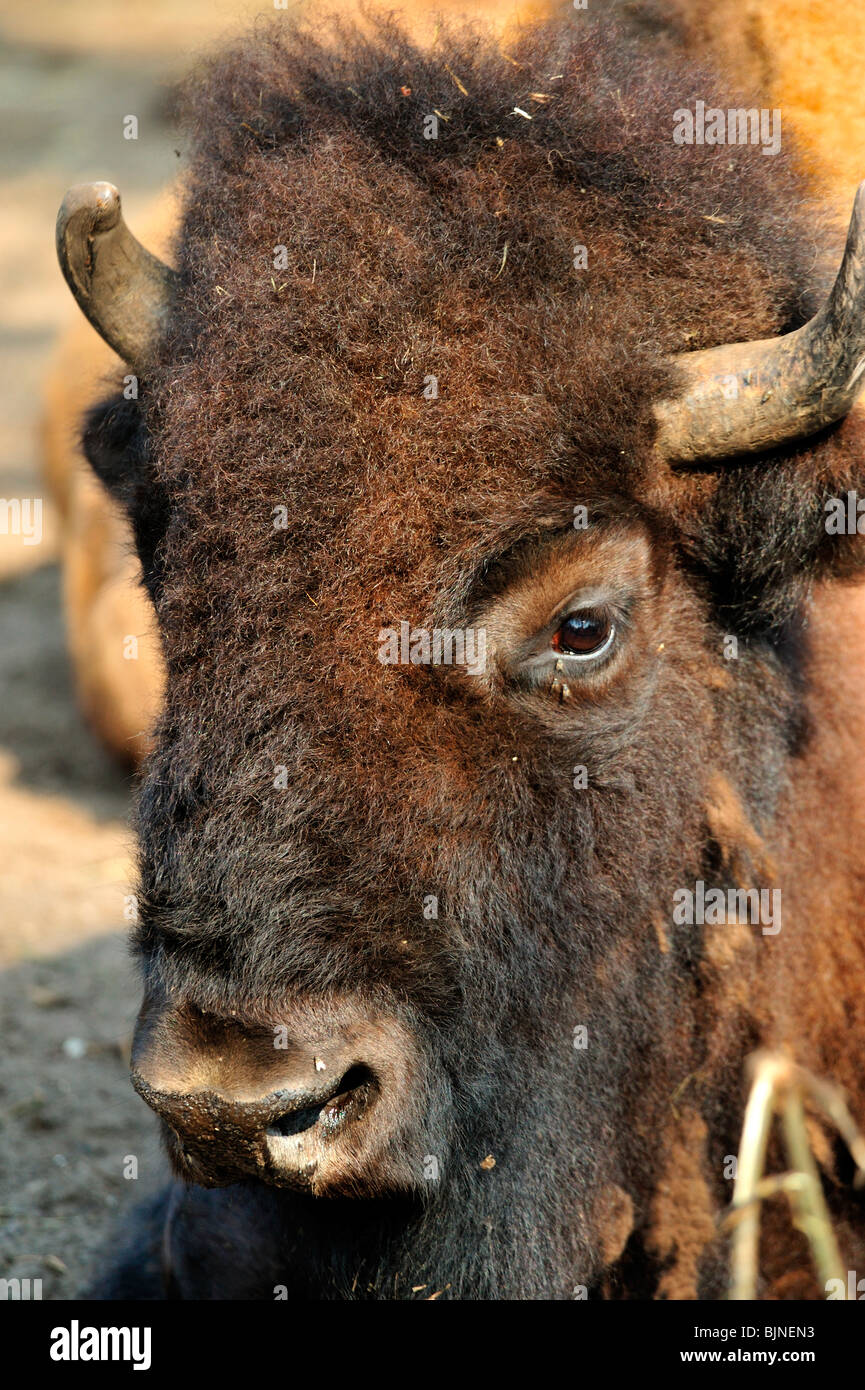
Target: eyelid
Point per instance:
(593, 597)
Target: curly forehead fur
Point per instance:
(333, 262)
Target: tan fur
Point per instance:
(614, 1214)
(743, 849)
(682, 1219)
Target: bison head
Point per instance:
(482, 572)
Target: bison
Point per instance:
(452, 963)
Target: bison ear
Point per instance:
(116, 443)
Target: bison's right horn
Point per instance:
(124, 291)
(749, 397)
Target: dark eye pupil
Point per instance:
(581, 633)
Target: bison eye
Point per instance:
(584, 634)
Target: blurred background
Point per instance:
(73, 713)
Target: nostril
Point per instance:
(296, 1121)
(346, 1099)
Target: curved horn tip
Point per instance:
(99, 203)
(856, 229)
(124, 291)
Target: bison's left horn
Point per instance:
(747, 397)
(124, 291)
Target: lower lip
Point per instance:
(292, 1154)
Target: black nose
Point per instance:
(294, 1110)
(282, 1136)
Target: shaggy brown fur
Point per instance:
(790, 52)
(304, 388)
